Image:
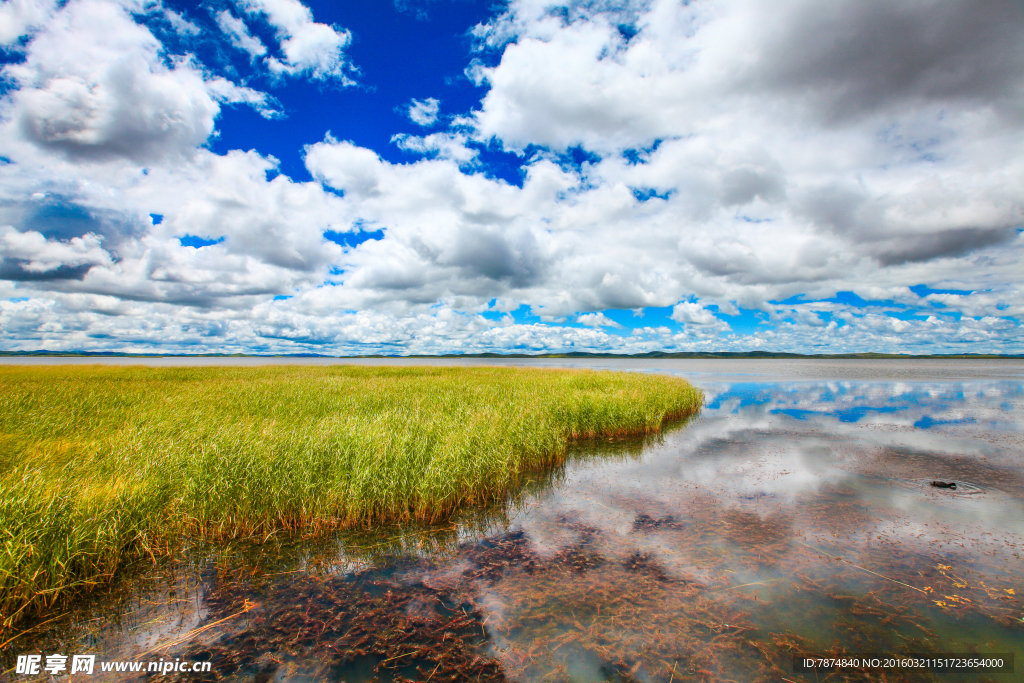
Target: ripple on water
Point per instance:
(959, 488)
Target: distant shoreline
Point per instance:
(576, 354)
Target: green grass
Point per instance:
(102, 465)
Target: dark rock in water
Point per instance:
(944, 485)
(644, 523)
(645, 563)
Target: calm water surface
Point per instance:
(795, 516)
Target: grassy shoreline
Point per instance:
(101, 465)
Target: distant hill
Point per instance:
(574, 354)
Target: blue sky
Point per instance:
(450, 176)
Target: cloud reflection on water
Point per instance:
(775, 477)
(788, 450)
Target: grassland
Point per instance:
(101, 465)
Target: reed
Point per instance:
(101, 465)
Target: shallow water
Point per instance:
(795, 516)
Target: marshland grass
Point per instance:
(102, 465)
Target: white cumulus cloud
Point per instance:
(40, 255)
(180, 24)
(239, 34)
(309, 48)
(19, 17)
(693, 313)
(424, 112)
(442, 145)
(95, 86)
(596, 320)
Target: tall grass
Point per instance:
(102, 465)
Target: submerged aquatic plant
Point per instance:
(100, 465)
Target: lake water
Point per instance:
(797, 516)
